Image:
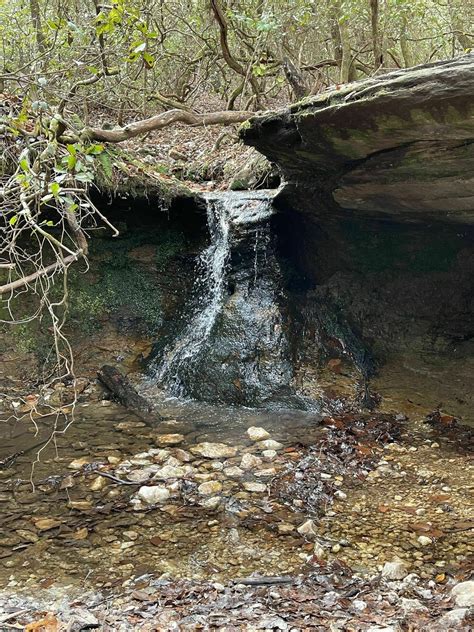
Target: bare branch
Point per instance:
(163, 120)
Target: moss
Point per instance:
(119, 172)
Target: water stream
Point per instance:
(237, 223)
(210, 289)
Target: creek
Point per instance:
(232, 354)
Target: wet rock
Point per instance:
(463, 594)
(233, 472)
(269, 455)
(210, 487)
(266, 473)
(45, 524)
(256, 433)
(169, 439)
(258, 488)
(307, 528)
(214, 450)
(27, 536)
(210, 503)
(140, 476)
(452, 619)
(153, 494)
(78, 464)
(80, 505)
(250, 461)
(270, 444)
(409, 606)
(97, 484)
(182, 455)
(169, 471)
(394, 570)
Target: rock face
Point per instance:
(394, 145)
(376, 221)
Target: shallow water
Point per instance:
(99, 540)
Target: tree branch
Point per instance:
(14, 285)
(163, 120)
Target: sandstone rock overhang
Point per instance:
(399, 145)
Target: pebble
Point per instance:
(97, 484)
(307, 528)
(249, 461)
(424, 540)
(210, 503)
(257, 434)
(169, 471)
(255, 487)
(285, 527)
(164, 440)
(45, 524)
(266, 473)
(153, 494)
(214, 450)
(78, 464)
(233, 472)
(340, 494)
(394, 570)
(210, 487)
(270, 444)
(269, 455)
(463, 594)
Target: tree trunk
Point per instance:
(374, 15)
(405, 46)
(341, 39)
(36, 19)
(455, 10)
(295, 78)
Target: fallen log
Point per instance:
(126, 394)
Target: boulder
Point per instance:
(398, 144)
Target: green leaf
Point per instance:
(71, 162)
(148, 59)
(13, 220)
(55, 188)
(95, 150)
(24, 164)
(72, 149)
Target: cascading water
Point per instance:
(233, 347)
(210, 289)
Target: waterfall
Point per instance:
(231, 218)
(210, 289)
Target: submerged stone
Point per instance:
(214, 450)
(153, 494)
(394, 570)
(256, 433)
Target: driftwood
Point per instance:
(126, 394)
